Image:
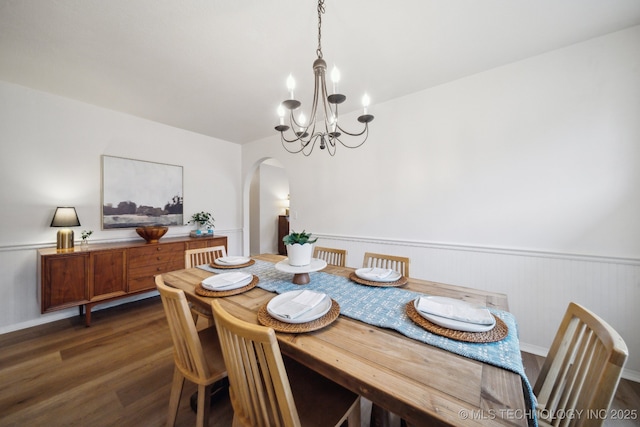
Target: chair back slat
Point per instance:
(188, 353)
(397, 263)
(331, 255)
(581, 371)
(195, 257)
(259, 388)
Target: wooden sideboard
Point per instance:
(86, 276)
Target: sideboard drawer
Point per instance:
(142, 278)
(151, 270)
(155, 254)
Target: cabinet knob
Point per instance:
(158, 248)
(159, 258)
(159, 269)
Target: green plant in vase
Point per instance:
(202, 220)
(300, 238)
(299, 247)
(85, 237)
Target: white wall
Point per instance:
(535, 160)
(274, 188)
(50, 155)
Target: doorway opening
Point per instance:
(268, 202)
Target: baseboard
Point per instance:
(71, 312)
(627, 374)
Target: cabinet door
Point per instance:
(64, 281)
(109, 274)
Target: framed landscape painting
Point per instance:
(137, 193)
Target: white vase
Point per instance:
(300, 255)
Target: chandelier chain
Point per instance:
(320, 12)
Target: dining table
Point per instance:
(426, 379)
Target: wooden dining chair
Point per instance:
(197, 354)
(194, 258)
(397, 263)
(331, 255)
(581, 371)
(265, 393)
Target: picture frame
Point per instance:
(138, 193)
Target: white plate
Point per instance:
(231, 260)
(450, 323)
(315, 313)
(363, 274)
(226, 282)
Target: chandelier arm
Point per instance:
(326, 107)
(312, 142)
(303, 145)
(283, 140)
(366, 128)
(357, 145)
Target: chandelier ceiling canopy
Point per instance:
(322, 126)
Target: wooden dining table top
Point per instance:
(423, 384)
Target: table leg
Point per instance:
(379, 417)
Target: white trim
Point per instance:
(73, 312)
(485, 249)
(31, 246)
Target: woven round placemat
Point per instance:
(246, 264)
(498, 332)
(216, 294)
(264, 318)
(400, 282)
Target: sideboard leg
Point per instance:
(87, 316)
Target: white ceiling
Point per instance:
(219, 67)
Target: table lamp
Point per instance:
(65, 217)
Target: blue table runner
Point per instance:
(385, 307)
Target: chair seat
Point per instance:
(320, 401)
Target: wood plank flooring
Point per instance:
(118, 373)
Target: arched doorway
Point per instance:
(268, 192)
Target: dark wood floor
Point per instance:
(118, 373)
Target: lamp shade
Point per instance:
(65, 217)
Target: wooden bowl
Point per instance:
(152, 233)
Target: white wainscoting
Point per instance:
(20, 288)
(539, 285)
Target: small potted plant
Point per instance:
(202, 220)
(299, 247)
(85, 237)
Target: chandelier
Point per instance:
(323, 127)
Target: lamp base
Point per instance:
(65, 240)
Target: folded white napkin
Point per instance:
(230, 260)
(456, 311)
(377, 273)
(299, 305)
(225, 280)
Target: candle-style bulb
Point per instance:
(335, 78)
(281, 113)
(291, 85)
(365, 102)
